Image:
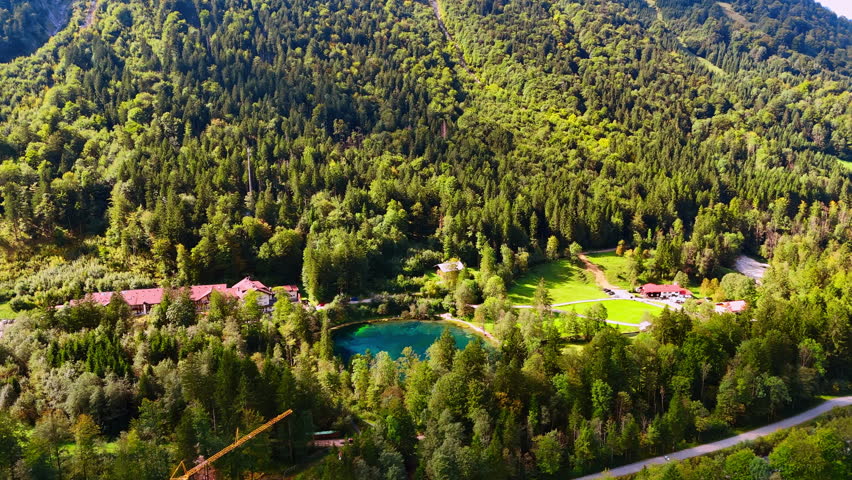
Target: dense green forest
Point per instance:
(348, 147)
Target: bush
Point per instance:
(20, 304)
(71, 280)
(421, 261)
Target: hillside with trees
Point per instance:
(134, 152)
(348, 147)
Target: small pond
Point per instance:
(394, 336)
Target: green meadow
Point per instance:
(565, 281)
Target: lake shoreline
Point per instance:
(445, 319)
(470, 326)
(369, 320)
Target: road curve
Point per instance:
(728, 442)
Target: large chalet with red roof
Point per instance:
(675, 291)
(143, 300)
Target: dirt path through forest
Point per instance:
(437, 9)
(90, 15)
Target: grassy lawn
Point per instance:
(615, 269)
(613, 266)
(103, 447)
(626, 311)
(565, 281)
(573, 347)
(6, 311)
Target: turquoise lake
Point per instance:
(393, 337)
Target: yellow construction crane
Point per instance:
(187, 474)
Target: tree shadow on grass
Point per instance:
(554, 274)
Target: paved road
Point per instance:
(728, 442)
(750, 267)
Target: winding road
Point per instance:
(725, 443)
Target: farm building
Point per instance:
(292, 292)
(652, 290)
(449, 270)
(735, 306)
(142, 301)
(451, 266)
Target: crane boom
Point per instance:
(189, 473)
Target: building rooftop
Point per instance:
(154, 296)
(452, 266)
(654, 288)
(734, 306)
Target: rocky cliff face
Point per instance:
(25, 25)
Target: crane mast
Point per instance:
(187, 474)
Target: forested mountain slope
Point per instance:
(350, 146)
(743, 34)
(26, 25)
(594, 122)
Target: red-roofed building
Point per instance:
(734, 306)
(652, 290)
(200, 294)
(292, 292)
(101, 297)
(143, 300)
(265, 297)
